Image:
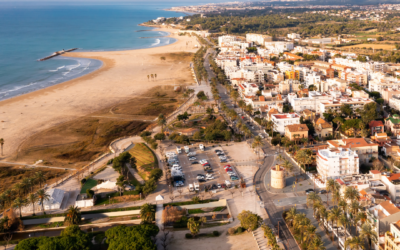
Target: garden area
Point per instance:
(145, 159)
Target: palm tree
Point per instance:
(351, 194)
(330, 187)
(336, 196)
(354, 243)
(368, 234)
(291, 215)
(32, 199)
(39, 176)
(310, 234)
(42, 196)
(334, 215)
(193, 226)
(280, 158)
(147, 213)
(18, 187)
(343, 205)
(1, 145)
(18, 203)
(161, 122)
(312, 198)
(257, 143)
(287, 165)
(344, 222)
(234, 95)
(317, 244)
(241, 105)
(202, 220)
(73, 216)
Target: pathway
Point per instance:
(262, 242)
(35, 166)
(135, 174)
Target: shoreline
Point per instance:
(122, 76)
(68, 55)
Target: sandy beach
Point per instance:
(122, 76)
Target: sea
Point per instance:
(33, 30)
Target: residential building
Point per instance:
(392, 183)
(308, 115)
(272, 111)
(328, 72)
(312, 101)
(292, 57)
(332, 163)
(381, 139)
(279, 46)
(313, 79)
(293, 36)
(365, 150)
(248, 89)
(392, 124)
(283, 120)
(394, 102)
(376, 127)
(335, 104)
(358, 93)
(360, 78)
(334, 83)
(380, 84)
(292, 74)
(323, 128)
(296, 131)
(392, 238)
(388, 148)
(381, 215)
(289, 86)
(258, 38)
(386, 94)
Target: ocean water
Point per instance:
(29, 31)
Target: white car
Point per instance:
(209, 177)
(230, 173)
(203, 161)
(192, 158)
(200, 177)
(222, 157)
(228, 183)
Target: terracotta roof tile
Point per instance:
(389, 207)
(297, 127)
(375, 124)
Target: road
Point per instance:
(34, 166)
(274, 213)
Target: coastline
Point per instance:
(27, 114)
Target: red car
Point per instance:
(228, 169)
(205, 164)
(227, 166)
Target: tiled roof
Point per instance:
(297, 127)
(375, 124)
(273, 111)
(351, 142)
(375, 171)
(389, 207)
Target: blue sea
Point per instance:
(33, 30)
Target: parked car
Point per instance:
(202, 180)
(217, 150)
(223, 160)
(228, 183)
(234, 178)
(230, 173)
(200, 177)
(309, 191)
(227, 166)
(214, 186)
(209, 177)
(192, 158)
(323, 191)
(219, 186)
(223, 185)
(195, 162)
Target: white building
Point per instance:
(226, 40)
(55, 200)
(335, 104)
(337, 162)
(381, 84)
(258, 38)
(394, 102)
(280, 46)
(248, 89)
(282, 120)
(83, 201)
(312, 102)
(250, 76)
(312, 79)
(294, 36)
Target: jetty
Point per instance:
(56, 54)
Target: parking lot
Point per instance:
(191, 171)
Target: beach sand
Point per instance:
(123, 76)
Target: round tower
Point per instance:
(278, 177)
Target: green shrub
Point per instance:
(239, 230)
(216, 233)
(188, 236)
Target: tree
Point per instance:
(235, 95)
(317, 244)
(312, 198)
(201, 95)
(162, 121)
(39, 176)
(150, 186)
(346, 109)
(193, 226)
(73, 216)
(304, 156)
(18, 203)
(354, 243)
(42, 196)
(368, 234)
(156, 174)
(378, 165)
(291, 215)
(351, 194)
(147, 213)
(1, 145)
(32, 199)
(249, 220)
(334, 215)
(369, 113)
(257, 143)
(159, 136)
(132, 237)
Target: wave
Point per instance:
(142, 30)
(156, 43)
(17, 88)
(71, 67)
(55, 70)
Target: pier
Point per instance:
(56, 54)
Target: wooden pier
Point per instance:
(56, 54)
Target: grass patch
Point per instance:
(51, 225)
(195, 211)
(189, 202)
(89, 184)
(218, 209)
(146, 159)
(107, 200)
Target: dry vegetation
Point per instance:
(371, 45)
(9, 175)
(75, 143)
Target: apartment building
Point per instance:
(292, 57)
(292, 74)
(328, 72)
(394, 102)
(332, 163)
(227, 40)
(334, 83)
(256, 76)
(283, 120)
(312, 79)
(311, 102)
(365, 150)
(275, 76)
(289, 86)
(335, 104)
(280, 46)
(258, 38)
(380, 216)
(293, 36)
(360, 78)
(388, 93)
(392, 238)
(248, 89)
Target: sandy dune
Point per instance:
(122, 76)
